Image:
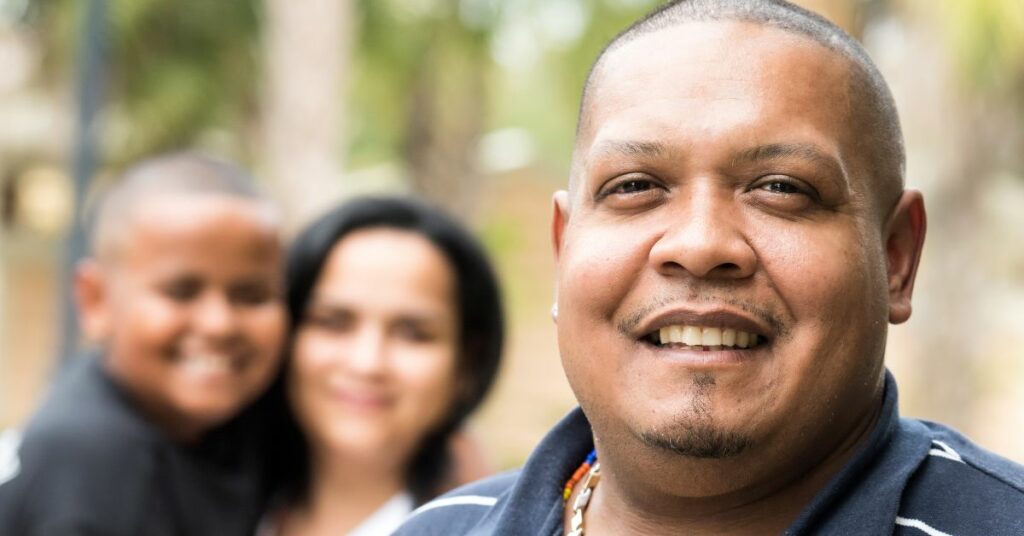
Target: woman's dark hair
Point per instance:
(481, 329)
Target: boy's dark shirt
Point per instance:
(90, 464)
(911, 478)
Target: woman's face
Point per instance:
(373, 368)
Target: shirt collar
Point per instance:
(861, 499)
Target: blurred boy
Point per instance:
(183, 293)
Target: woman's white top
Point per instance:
(387, 518)
(382, 522)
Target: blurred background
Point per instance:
(472, 104)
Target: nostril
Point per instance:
(672, 265)
(727, 269)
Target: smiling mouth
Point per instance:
(210, 364)
(685, 336)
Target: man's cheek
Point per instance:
(603, 262)
(811, 262)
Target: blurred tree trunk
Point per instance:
(445, 122)
(307, 53)
(953, 350)
(962, 131)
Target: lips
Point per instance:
(366, 401)
(361, 397)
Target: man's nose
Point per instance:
(704, 238)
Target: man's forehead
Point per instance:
(702, 57)
(703, 75)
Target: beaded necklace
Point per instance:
(592, 471)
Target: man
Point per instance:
(733, 242)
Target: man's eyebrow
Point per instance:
(776, 151)
(632, 148)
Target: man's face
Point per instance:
(190, 308)
(719, 202)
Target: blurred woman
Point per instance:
(396, 337)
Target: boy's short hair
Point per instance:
(183, 172)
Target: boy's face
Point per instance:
(188, 304)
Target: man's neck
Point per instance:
(638, 496)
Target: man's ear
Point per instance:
(559, 219)
(904, 239)
(92, 296)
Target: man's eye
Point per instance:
(780, 187)
(631, 186)
(786, 186)
(627, 187)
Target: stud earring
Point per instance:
(554, 312)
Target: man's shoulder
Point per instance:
(996, 473)
(962, 488)
(462, 511)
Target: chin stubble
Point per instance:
(695, 435)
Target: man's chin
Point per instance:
(697, 440)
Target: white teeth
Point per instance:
(728, 337)
(711, 337)
(691, 336)
(675, 333)
(705, 336)
(206, 364)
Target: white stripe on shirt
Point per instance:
(920, 525)
(945, 451)
(10, 464)
(461, 500)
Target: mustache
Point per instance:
(628, 325)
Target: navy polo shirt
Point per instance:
(910, 478)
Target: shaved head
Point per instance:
(873, 111)
(174, 174)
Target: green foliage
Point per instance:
(400, 39)
(183, 66)
(545, 99)
(180, 67)
(502, 236)
(175, 67)
(399, 43)
(987, 39)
